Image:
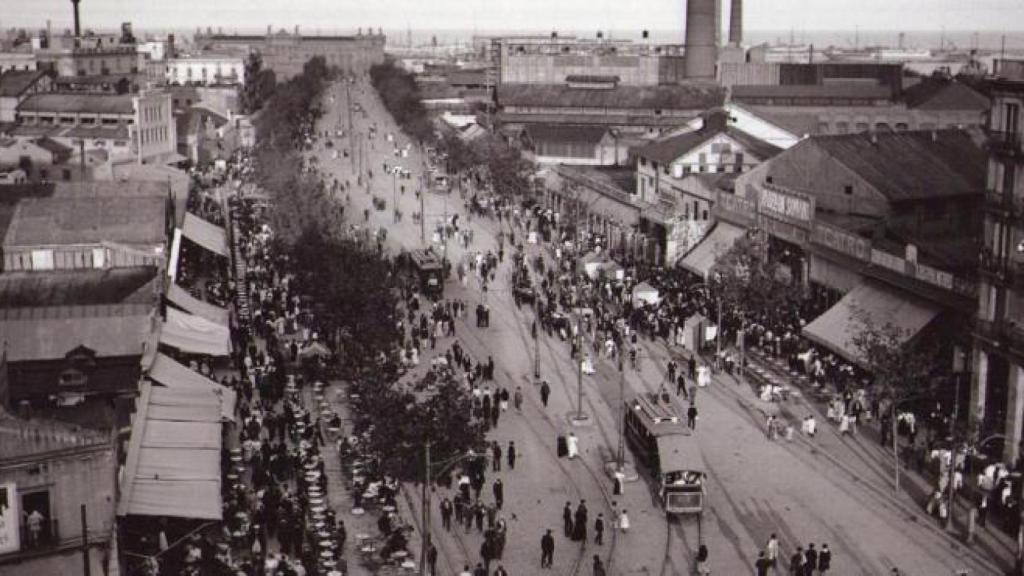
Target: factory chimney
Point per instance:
(701, 50)
(736, 23)
(78, 24)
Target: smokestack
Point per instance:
(736, 23)
(78, 24)
(701, 50)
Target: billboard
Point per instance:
(9, 519)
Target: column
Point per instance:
(979, 384)
(1014, 413)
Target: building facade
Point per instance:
(286, 53)
(205, 70)
(997, 391)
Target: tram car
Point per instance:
(429, 271)
(661, 441)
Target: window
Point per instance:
(66, 173)
(739, 162)
(42, 259)
(1011, 118)
(901, 127)
(44, 174)
(848, 190)
(862, 127)
(769, 180)
(721, 148)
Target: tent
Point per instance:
(195, 334)
(205, 234)
(644, 292)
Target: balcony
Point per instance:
(1006, 144)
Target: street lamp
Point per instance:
(428, 479)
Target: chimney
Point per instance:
(296, 29)
(270, 30)
(701, 52)
(78, 24)
(736, 23)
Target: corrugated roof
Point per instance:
(566, 133)
(467, 77)
(15, 82)
(915, 165)
(51, 145)
(938, 94)
(686, 97)
(87, 103)
(667, 150)
(77, 287)
(19, 437)
(69, 220)
(51, 332)
(797, 123)
(856, 91)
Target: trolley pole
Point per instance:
(622, 415)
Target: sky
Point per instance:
(539, 15)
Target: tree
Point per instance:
(509, 171)
(751, 286)
(252, 97)
(401, 96)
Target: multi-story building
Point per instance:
(205, 70)
(17, 61)
(286, 53)
(95, 55)
(997, 390)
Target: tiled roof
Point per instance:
(686, 97)
(16, 82)
(85, 103)
(51, 332)
(63, 221)
(668, 149)
(77, 287)
(52, 145)
(915, 165)
(566, 133)
(937, 94)
(21, 438)
(835, 91)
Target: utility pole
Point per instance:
(952, 454)
(86, 565)
(423, 220)
(394, 190)
(536, 338)
(621, 455)
(426, 512)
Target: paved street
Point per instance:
(832, 490)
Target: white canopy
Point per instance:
(195, 334)
(172, 374)
(644, 292)
(711, 248)
(189, 303)
(173, 462)
(207, 235)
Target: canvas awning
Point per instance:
(646, 293)
(173, 462)
(209, 236)
(195, 334)
(189, 303)
(172, 264)
(168, 372)
(837, 328)
(713, 246)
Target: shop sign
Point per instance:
(9, 519)
(784, 203)
(841, 241)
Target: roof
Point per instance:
(20, 438)
(667, 150)
(797, 123)
(592, 78)
(87, 103)
(15, 82)
(467, 77)
(49, 333)
(62, 221)
(51, 145)
(77, 287)
(914, 165)
(685, 97)
(939, 94)
(851, 91)
(566, 133)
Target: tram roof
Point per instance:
(678, 453)
(658, 417)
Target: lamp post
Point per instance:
(536, 338)
(428, 478)
(959, 366)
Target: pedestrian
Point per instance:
(465, 571)
(810, 560)
(480, 570)
(762, 565)
(681, 386)
(499, 493)
(572, 443)
(599, 566)
(623, 521)
(446, 514)
(580, 524)
(547, 550)
(432, 558)
(511, 452)
(517, 399)
(691, 416)
(771, 551)
(496, 456)
(501, 571)
(702, 561)
(567, 519)
(545, 392)
(983, 510)
(796, 562)
(824, 560)
(599, 529)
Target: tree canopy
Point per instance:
(401, 97)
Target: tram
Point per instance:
(660, 439)
(429, 270)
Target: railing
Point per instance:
(49, 537)
(1005, 142)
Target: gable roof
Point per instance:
(49, 333)
(684, 97)
(939, 94)
(77, 287)
(15, 82)
(566, 133)
(669, 149)
(915, 165)
(52, 146)
(81, 220)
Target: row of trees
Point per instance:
(353, 287)
(507, 171)
(401, 97)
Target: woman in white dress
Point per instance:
(572, 445)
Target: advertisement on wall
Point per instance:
(9, 515)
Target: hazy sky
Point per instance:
(908, 15)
